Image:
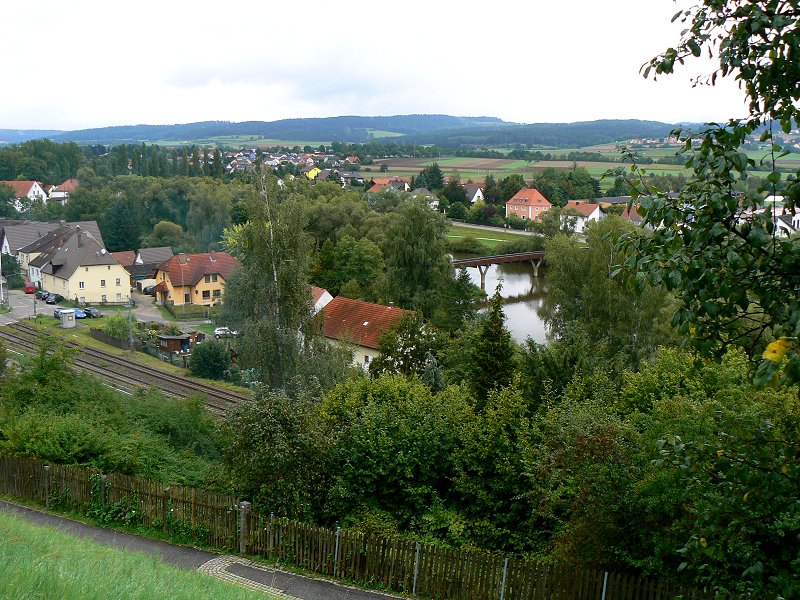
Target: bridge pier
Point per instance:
(482, 270)
(535, 264)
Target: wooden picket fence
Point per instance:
(220, 521)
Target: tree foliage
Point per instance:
(210, 359)
(754, 297)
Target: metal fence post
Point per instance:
(605, 582)
(244, 526)
(416, 570)
(336, 553)
(503, 584)
(47, 487)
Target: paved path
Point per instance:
(491, 228)
(246, 573)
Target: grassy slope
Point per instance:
(38, 562)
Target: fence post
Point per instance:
(165, 508)
(336, 553)
(503, 584)
(416, 570)
(47, 487)
(605, 582)
(271, 532)
(244, 526)
(103, 478)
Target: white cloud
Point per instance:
(90, 64)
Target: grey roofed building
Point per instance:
(147, 256)
(76, 248)
(23, 233)
(424, 192)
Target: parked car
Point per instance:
(42, 295)
(57, 312)
(54, 298)
(149, 290)
(221, 332)
(80, 313)
(30, 287)
(92, 312)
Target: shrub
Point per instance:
(210, 359)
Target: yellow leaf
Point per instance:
(720, 452)
(785, 469)
(777, 350)
(703, 542)
(746, 495)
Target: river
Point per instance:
(523, 294)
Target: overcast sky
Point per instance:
(81, 64)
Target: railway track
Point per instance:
(127, 375)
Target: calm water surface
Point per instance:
(523, 294)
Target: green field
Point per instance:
(39, 562)
(490, 239)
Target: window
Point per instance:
(187, 298)
(102, 283)
(82, 300)
(214, 278)
(119, 297)
(366, 359)
(208, 278)
(87, 269)
(118, 281)
(103, 298)
(206, 295)
(217, 293)
(81, 286)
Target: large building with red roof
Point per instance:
(359, 323)
(195, 278)
(528, 204)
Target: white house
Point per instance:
(588, 212)
(26, 192)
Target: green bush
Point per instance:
(210, 359)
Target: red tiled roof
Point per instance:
(632, 215)
(529, 197)
(68, 186)
(317, 293)
(358, 322)
(388, 180)
(21, 188)
(126, 257)
(378, 187)
(188, 269)
(585, 208)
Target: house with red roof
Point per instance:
(320, 298)
(528, 204)
(583, 212)
(60, 193)
(194, 278)
(25, 193)
(359, 324)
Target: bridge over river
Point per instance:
(483, 262)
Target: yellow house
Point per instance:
(194, 278)
(312, 172)
(79, 268)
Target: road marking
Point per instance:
(218, 567)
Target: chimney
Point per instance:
(181, 258)
(79, 234)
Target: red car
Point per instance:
(30, 287)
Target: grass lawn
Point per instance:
(490, 239)
(40, 562)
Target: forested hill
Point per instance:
(342, 129)
(444, 131)
(564, 135)
(16, 136)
